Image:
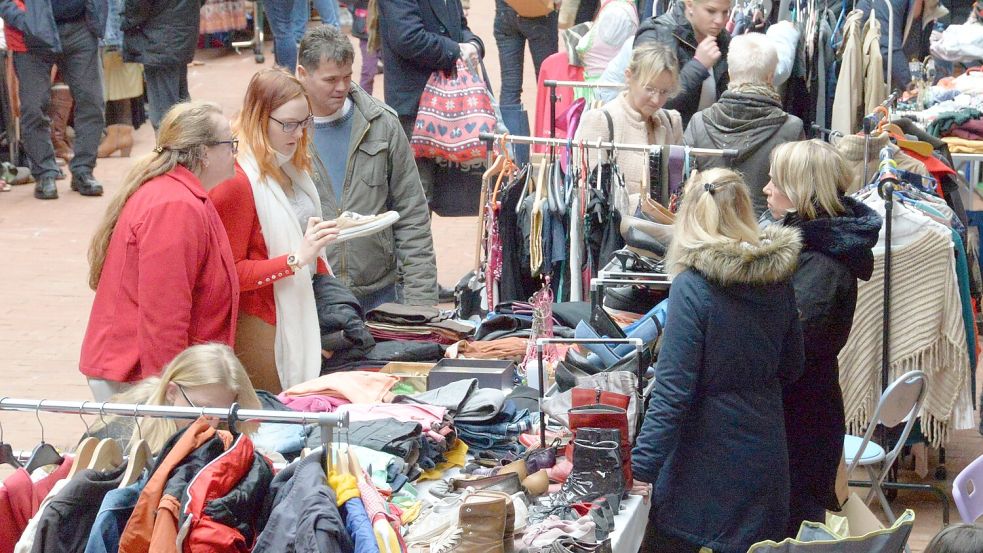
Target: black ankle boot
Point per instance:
(596, 469)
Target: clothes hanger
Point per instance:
(85, 448)
(139, 457)
(7, 456)
(45, 453)
(108, 454)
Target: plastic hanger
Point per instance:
(84, 450)
(139, 457)
(7, 456)
(44, 454)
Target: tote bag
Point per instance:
(454, 110)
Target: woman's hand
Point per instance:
(318, 235)
(708, 53)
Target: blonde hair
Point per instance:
(716, 209)
(185, 131)
(752, 59)
(199, 365)
(650, 60)
(813, 175)
(268, 90)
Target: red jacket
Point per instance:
(20, 498)
(257, 272)
(168, 282)
(13, 35)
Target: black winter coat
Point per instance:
(674, 30)
(418, 38)
(836, 251)
(160, 32)
(342, 323)
(713, 439)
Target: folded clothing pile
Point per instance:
(393, 321)
(438, 434)
(340, 316)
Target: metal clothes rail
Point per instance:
(552, 84)
(598, 144)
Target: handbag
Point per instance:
(531, 8)
(624, 383)
(454, 109)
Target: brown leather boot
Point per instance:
(119, 138)
(483, 523)
(59, 111)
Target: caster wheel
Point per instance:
(941, 473)
(260, 58)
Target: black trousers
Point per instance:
(658, 542)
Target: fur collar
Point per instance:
(732, 263)
(848, 238)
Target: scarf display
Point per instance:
(297, 346)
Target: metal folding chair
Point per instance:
(900, 402)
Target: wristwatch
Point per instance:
(294, 262)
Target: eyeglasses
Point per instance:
(234, 143)
(291, 126)
(185, 395)
(653, 92)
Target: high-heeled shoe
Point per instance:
(119, 138)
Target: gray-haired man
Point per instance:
(363, 163)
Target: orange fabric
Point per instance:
(141, 528)
(164, 536)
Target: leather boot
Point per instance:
(607, 417)
(59, 111)
(595, 472)
(119, 138)
(483, 523)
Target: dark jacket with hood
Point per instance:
(836, 251)
(35, 29)
(160, 32)
(753, 124)
(713, 441)
(674, 30)
(342, 322)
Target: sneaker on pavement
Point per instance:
(353, 225)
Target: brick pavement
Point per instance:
(44, 298)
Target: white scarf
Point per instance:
(298, 334)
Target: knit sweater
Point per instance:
(925, 292)
(631, 128)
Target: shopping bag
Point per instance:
(454, 109)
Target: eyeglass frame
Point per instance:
(184, 394)
(304, 124)
(233, 142)
(653, 92)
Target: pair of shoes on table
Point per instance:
(354, 225)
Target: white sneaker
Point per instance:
(353, 225)
(439, 517)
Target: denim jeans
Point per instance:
(301, 14)
(166, 85)
(280, 15)
(511, 33)
(80, 65)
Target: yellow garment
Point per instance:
(411, 513)
(120, 80)
(344, 485)
(385, 536)
(456, 457)
(963, 146)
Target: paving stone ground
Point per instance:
(45, 301)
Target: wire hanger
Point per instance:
(7, 456)
(85, 448)
(44, 454)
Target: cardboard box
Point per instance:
(491, 373)
(412, 376)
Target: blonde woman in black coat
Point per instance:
(838, 233)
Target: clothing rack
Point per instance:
(490, 138)
(552, 84)
(233, 415)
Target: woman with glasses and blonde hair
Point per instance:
(838, 232)
(160, 261)
(205, 376)
(636, 116)
(272, 213)
(713, 442)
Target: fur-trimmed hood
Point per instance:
(847, 238)
(770, 262)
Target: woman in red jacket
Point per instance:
(160, 261)
(272, 213)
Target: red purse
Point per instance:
(454, 109)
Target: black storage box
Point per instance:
(491, 373)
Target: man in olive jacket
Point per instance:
(363, 163)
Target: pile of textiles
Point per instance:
(393, 321)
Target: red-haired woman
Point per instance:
(272, 213)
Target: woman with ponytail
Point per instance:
(160, 261)
(713, 439)
(206, 375)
